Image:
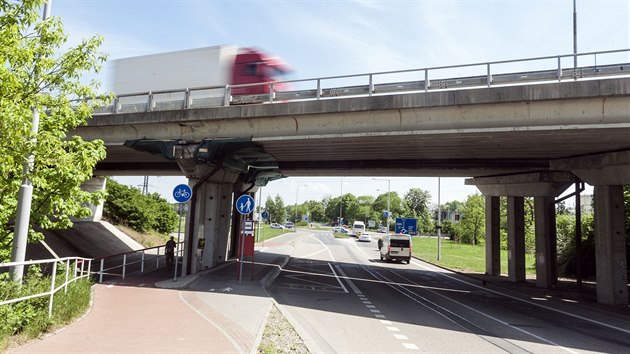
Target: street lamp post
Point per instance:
(388, 197)
(25, 195)
(439, 225)
(296, 199)
(341, 204)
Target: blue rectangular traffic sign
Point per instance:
(406, 226)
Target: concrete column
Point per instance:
(210, 238)
(546, 250)
(516, 238)
(493, 236)
(93, 185)
(610, 246)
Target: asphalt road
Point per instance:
(342, 298)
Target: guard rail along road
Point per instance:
(478, 75)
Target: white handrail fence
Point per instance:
(148, 258)
(119, 265)
(81, 269)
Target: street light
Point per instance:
(296, 199)
(389, 181)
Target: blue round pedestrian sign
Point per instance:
(265, 215)
(182, 193)
(245, 204)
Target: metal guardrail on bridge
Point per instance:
(431, 79)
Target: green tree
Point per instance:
(472, 226)
(417, 200)
(36, 74)
(276, 210)
(315, 210)
(126, 205)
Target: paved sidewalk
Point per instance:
(210, 312)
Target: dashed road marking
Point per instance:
(400, 336)
(410, 346)
(392, 329)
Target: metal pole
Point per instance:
(240, 268)
(341, 203)
(439, 227)
(52, 289)
(389, 211)
(578, 237)
(574, 36)
(25, 195)
(296, 201)
(179, 231)
(259, 213)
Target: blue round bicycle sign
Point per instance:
(182, 193)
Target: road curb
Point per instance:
(271, 276)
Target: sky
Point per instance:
(334, 37)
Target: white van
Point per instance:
(395, 247)
(358, 227)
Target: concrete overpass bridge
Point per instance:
(516, 134)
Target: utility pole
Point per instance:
(389, 189)
(439, 225)
(341, 204)
(574, 36)
(25, 196)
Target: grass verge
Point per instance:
(26, 320)
(465, 257)
(279, 336)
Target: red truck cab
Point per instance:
(252, 66)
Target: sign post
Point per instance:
(245, 206)
(182, 194)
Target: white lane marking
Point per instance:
(386, 322)
(352, 286)
(220, 328)
(338, 280)
(379, 316)
(392, 329)
(400, 336)
(326, 247)
(471, 309)
(367, 302)
(375, 311)
(525, 301)
(312, 254)
(410, 346)
(370, 306)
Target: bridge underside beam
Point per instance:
(411, 167)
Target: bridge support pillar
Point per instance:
(493, 236)
(211, 227)
(546, 248)
(543, 186)
(93, 185)
(608, 173)
(610, 246)
(516, 238)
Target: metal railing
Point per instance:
(476, 75)
(81, 269)
(122, 264)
